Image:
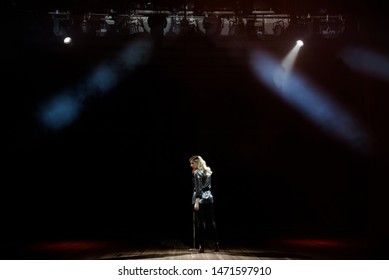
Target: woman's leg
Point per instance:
(201, 228)
(213, 228)
(209, 225)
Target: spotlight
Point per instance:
(299, 43)
(67, 40)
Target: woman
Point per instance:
(202, 201)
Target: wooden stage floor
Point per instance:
(277, 248)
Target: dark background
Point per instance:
(121, 169)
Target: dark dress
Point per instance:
(205, 221)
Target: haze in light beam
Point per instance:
(290, 59)
(315, 104)
(63, 108)
(367, 62)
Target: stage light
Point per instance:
(291, 57)
(67, 40)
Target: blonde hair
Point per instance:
(202, 165)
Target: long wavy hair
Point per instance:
(202, 165)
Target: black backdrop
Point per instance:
(121, 169)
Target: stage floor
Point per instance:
(122, 249)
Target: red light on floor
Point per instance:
(69, 245)
(316, 243)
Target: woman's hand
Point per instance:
(196, 207)
(197, 204)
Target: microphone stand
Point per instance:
(194, 232)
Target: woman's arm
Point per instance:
(198, 175)
(198, 183)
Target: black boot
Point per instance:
(217, 247)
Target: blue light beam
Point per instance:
(310, 101)
(61, 110)
(367, 62)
